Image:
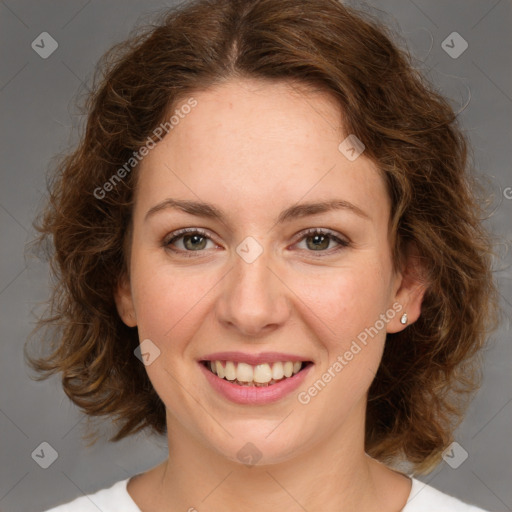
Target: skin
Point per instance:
(252, 149)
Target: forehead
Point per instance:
(251, 145)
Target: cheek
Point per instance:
(347, 301)
(170, 309)
(170, 302)
(346, 311)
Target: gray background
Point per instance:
(39, 120)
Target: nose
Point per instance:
(254, 299)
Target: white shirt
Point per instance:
(422, 498)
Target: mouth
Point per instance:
(259, 375)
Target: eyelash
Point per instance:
(305, 234)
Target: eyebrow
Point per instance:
(207, 210)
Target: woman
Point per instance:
(267, 248)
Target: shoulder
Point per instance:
(111, 499)
(424, 498)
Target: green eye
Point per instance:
(196, 240)
(320, 240)
(193, 240)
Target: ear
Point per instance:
(410, 287)
(124, 301)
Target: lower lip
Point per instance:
(253, 395)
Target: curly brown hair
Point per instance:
(410, 131)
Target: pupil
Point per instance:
(195, 238)
(317, 238)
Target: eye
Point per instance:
(318, 240)
(196, 240)
(193, 240)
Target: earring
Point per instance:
(403, 320)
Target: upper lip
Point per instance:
(253, 359)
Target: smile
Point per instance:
(259, 375)
(237, 381)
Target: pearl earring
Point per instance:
(403, 320)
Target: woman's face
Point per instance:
(252, 282)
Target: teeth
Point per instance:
(261, 374)
(288, 369)
(244, 372)
(230, 370)
(277, 371)
(220, 369)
